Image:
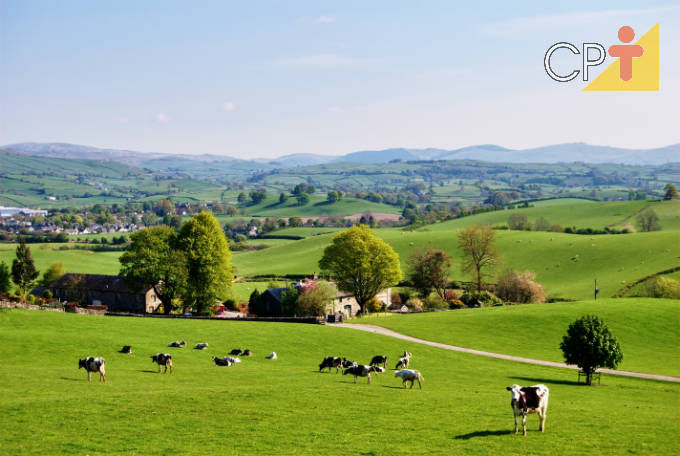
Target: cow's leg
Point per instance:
(89, 376)
(404, 383)
(541, 415)
(516, 427)
(159, 368)
(355, 379)
(420, 384)
(102, 376)
(412, 381)
(524, 423)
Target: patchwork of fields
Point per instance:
(287, 406)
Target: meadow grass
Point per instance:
(647, 329)
(76, 260)
(286, 406)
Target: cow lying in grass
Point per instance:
(272, 355)
(362, 370)
(247, 352)
(93, 365)
(379, 359)
(529, 399)
(201, 346)
(226, 361)
(404, 360)
(331, 362)
(163, 359)
(236, 352)
(410, 375)
(177, 344)
(127, 349)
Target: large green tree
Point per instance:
(590, 345)
(52, 273)
(670, 192)
(648, 220)
(429, 271)
(361, 263)
(154, 259)
(24, 272)
(479, 251)
(208, 261)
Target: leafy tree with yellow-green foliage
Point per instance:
(361, 263)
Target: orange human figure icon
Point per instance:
(626, 52)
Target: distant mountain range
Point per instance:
(565, 153)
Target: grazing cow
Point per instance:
(379, 359)
(177, 344)
(347, 363)
(93, 365)
(330, 362)
(126, 349)
(221, 361)
(201, 346)
(247, 352)
(410, 375)
(529, 399)
(233, 360)
(236, 352)
(163, 359)
(272, 355)
(361, 370)
(404, 360)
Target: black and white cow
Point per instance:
(177, 344)
(246, 352)
(529, 399)
(236, 352)
(379, 359)
(361, 370)
(91, 364)
(163, 359)
(222, 361)
(201, 346)
(347, 363)
(127, 349)
(404, 360)
(331, 362)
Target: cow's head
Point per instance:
(515, 390)
(82, 363)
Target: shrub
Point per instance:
(660, 287)
(456, 304)
(414, 304)
(557, 228)
(396, 298)
(451, 295)
(480, 299)
(317, 301)
(515, 286)
(519, 222)
(230, 304)
(433, 302)
(374, 305)
(47, 294)
(541, 224)
(405, 295)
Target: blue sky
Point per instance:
(263, 79)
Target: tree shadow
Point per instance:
(548, 381)
(486, 433)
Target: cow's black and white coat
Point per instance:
(177, 344)
(361, 370)
(379, 359)
(331, 362)
(529, 399)
(404, 360)
(163, 359)
(90, 365)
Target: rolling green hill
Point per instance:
(317, 207)
(647, 329)
(286, 406)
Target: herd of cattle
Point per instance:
(525, 400)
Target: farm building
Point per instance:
(106, 290)
(344, 302)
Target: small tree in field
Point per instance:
(479, 251)
(671, 192)
(24, 272)
(4, 278)
(589, 344)
(648, 221)
(429, 271)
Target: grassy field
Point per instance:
(83, 261)
(285, 406)
(317, 207)
(647, 329)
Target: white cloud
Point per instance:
(123, 119)
(317, 61)
(228, 106)
(336, 109)
(324, 19)
(519, 25)
(162, 118)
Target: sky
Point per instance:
(257, 79)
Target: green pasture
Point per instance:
(82, 261)
(286, 406)
(647, 329)
(317, 207)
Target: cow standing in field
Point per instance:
(379, 359)
(163, 359)
(529, 399)
(93, 365)
(362, 370)
(331, 362)
(410, 375)
(404, 360)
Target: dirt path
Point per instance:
(389, 332)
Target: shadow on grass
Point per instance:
(71, 379)
(394, 387)
(548, 381)
(482, 434)
(148, 371)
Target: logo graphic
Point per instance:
(635, 68)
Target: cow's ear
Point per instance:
(508, 388)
